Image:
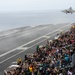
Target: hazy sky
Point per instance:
(25, 5)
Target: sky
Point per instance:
(29, 5)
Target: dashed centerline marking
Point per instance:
(46, 37)
(22, 48)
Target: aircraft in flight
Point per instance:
(70, 10)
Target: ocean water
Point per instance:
(21, 19)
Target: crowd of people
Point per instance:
(52, 59)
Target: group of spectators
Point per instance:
(52, 59)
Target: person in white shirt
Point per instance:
(70, 71)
